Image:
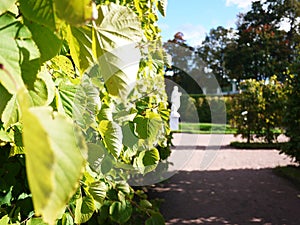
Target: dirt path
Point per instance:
(235, 187)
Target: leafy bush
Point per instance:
(257, 111)
(78, 116)
(200, 108)
(291, 118)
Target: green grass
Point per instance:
(256, 145)
(291, 173)
(205, 128)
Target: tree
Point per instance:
(258, 110)
(212, 52)
(262, 46)
(188, 70)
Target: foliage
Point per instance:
(200, 108)
(262, 47)
(257, 111)
(187, 70)
(213, 49)
(291, 119)
(256, 145)
(82, 114)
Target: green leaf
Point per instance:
(75, 12)
(39, 11)
(147, 160)
(50, 86)
(10, 114)
(39, 93)
(6, 198)
(115, 36)
(63, 65)
(107, 164)
(10, 54)
(85, 208)
(98, 191)
(56, 149)
(30, 56)
(155, 219)
(36, 221)
(162, 7)
(87, 104)
(95, 156)
(80, 43)
(148, 127)
(5, 97)
(112, 136)
(17, 145)
(129, 137)
(66, 96)
(67, 219)
(5, 5)
(49, 48)
(4, 220)
(120, 212)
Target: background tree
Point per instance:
(212, 52)
(186, 70)
(258, 110)
(262, 46)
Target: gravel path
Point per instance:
(219, 185)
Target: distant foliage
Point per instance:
(257, 111)
(291, 119)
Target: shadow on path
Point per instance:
(228, 197)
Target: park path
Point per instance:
(217, 185)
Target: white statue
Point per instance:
(174, 117)
(175, 98)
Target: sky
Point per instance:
(195, 18)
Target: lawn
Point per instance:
(205, 128)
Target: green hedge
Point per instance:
(199, 108)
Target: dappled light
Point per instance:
(228, 197)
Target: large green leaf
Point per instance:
(120, 212)
(148, 126)
(49, 48)
(80, 102)
(85, 208)
(65, 98)
(147, 160)
(39, 11)
(75, 12)
(116, 34)
(80, 43)
(96, 153)
(98, 191)
(87, 104)
(10, 71)
(5, 5)
(55, 158)
(112, 135)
